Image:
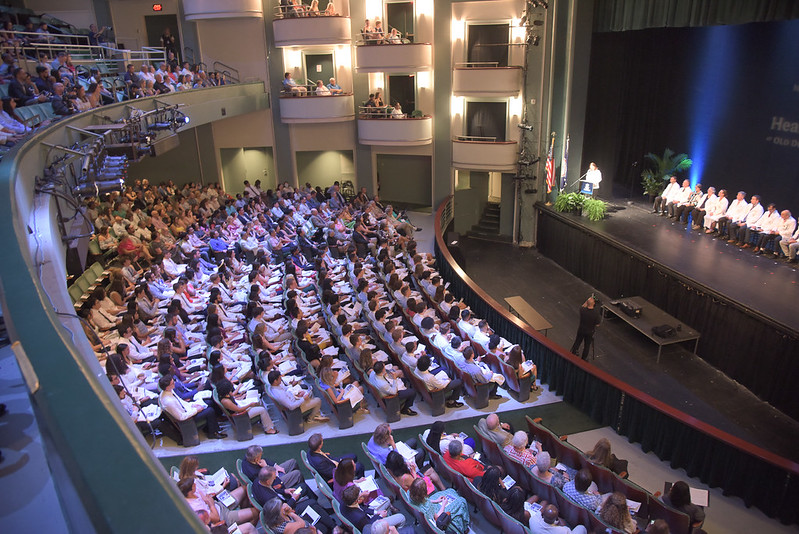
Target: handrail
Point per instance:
(790, 468)
(384, 113)
(300, 12)
(309, 93)
(228, 71)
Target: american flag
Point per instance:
(563, 164)
(551, 166)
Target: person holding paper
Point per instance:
(439, 381)
(288, 472)
(252, 407)
(381, 444)
(551, 475)
(389, 383)
(468, 467)
(405, 471)
(518, 451)
(499, 433)
(679, 497)
(217, 514)
(309, 405)
(324, 462)
(362, 516)
(300, 498)
(182, 410)
(579, 490)
(338, 395)
(432, 506)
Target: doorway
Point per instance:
(155, 26)
(319, 67)
(402, 89)
(405, 180)
(486, 119)
(400, 15)
(251, 164)
(488, 43)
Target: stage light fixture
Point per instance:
(95, 189)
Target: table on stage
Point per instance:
(651, 316)
(526, 313)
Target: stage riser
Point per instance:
(749, 348)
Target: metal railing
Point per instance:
(227, 70)
(300, 11)
(476, 138)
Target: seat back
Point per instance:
(344, 520)
(324, 487)
(293, 417)
(635, 493)
(240, 422)
(188, 428)
(390, 481)
(508, 525)
(389, 404)
(570, 511)
(343, 409)
(679, 522)
(478, 392)
(490, 448)
(244, 478)
(252, 498)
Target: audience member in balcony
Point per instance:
(394, 37)
(396, 111)
(98, 37)
(80, 100)
(23, 90)
(43, 34)
(186, 72)
(168, 42)
(8, 37)
(8, 66)
(43, 80)
(159, 86)
(379, 99)
(378, 34)
(183, 83)
(330, 10)
(333, 87)
(313, 11)
(321, 89)
(366, 32)
(131, 79)
(290, 86)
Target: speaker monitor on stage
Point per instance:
(586, 187)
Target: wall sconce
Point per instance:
(456, 106)
(458, 30)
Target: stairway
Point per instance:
(488, 226)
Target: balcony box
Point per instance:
(413, 57)
(229, 9)
(487, 81)
(312, 108)
(309, 31)
(395, 132)
(483, 155)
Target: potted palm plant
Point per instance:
(654, 178)
(595, 209)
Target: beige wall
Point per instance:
(128, 17)
(239, 43)
(79, 13)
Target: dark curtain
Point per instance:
(621, 15)
(486, 119)
(488, 43)
(758, 353)
(760, 483)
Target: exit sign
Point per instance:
(157, 7)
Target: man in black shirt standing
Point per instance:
(589, 320)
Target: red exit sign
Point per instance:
(157, 7)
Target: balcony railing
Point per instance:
(301, 28)
(308, 107)
(377, 127)
(485, 78)
(229, 9)
(405, 57)
(484, 153)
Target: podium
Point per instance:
(586, 187)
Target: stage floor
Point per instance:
(681, 379)
(759, 282)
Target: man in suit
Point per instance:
(325, 463)
(287, 472)
(299, 498)
(361, 516)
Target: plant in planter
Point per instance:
(661, 169)
(595, 209)
(569, 202)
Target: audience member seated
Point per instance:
(298, 498)
(217, 513)
(546, 521)
(439, 381)
(580, 491)
(468, 467)
(309, 405)
(616, 513)
(679, 498)
(182, 411)
(602, 455)
(389, 383)
(498, 432)
(517, 449)
(406, 471)
(325, 463)
(288, 471)
(357, 512)
(440, 504)
(382, 443)
(544, 470)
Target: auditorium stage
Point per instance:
(681, 379)
(759, 282)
